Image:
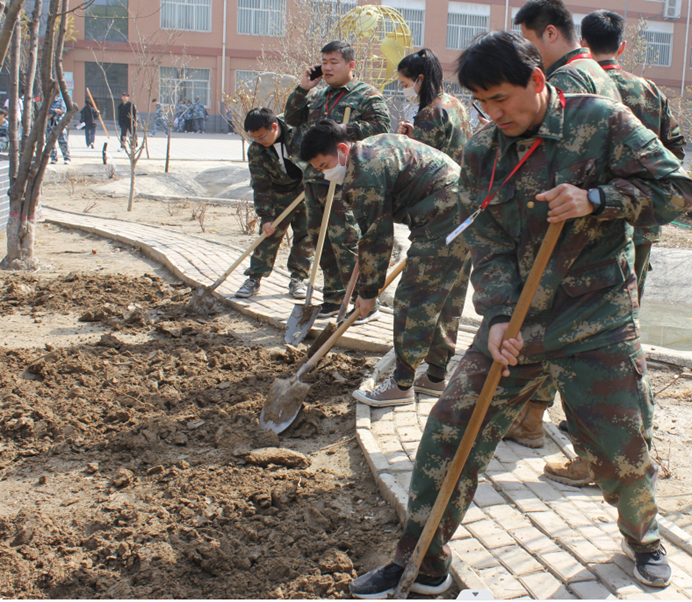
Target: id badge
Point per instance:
(465, 224)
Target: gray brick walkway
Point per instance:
(524, 537)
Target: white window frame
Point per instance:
(323, 20)
(261, 18)
(245, 76)
(659, 37)
(173, 80)
(471, 20)
(413, 12)
(186, 15)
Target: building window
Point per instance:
(324, 15)
(186, 15)
(245, 78)
(413, 12)
(106, 20)
(464, 22)
(659, 47)
(261, 17)
(184, 84)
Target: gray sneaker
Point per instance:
(373, 315)
(297, 289)
(387, 394)
(423, 384)
(250, 287)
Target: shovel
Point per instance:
(202, 301)
(287, 395)
(330, 328)
(303, 316)
(479, 412)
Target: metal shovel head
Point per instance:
(283, 404)
(300, 322)
(323, 337)
(202, 302)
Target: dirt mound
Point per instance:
(139, 470)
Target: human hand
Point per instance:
(505, 352)
(566, 201)
(405, 128)
(305, 82)
(365, 305)
(268, 228)
(483, 121)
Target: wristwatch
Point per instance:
(596, 197)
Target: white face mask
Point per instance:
(411, 95)
(338, 172)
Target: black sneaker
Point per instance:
(650, 568)
(250, 287)
(373, 315)
(381, 582)
(563, 426)
(327, 310)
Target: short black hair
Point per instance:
(125, 94)
(256, 119)
(495, 58)
(154, 100)
(321, 139)
(425, 63)
(603, 31)
(343, 48)
(3, 111)
(536, 15)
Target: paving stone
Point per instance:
(409, 433)
(404, 479)
(398, 461)
(517, 560)
(495, 467)
(584, 550)
(543, 586)
(591, 590)
(394, 494)
(490, 534)
(411, 447)
(550, 523)
(384, 427)
(533, 540)
(566, 567)
(544, 491)
(508, 482)
(569, 513)
(473, 514)
(505, 454)
(389, 444)
(461, 533)
(373, 456)
(380, 414)
(601, 540)
(486, 495)
(409, 418)
(472, 552)
(611, 575)
(363, 416)
(507, 517)
(502, 584)
(524, 498)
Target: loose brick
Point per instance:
(533, 540)
(566, 567)
(517, 560)
(524, 498)
(584, 550)
(398, 461)
(486, 495)
(473, 553)
(591, 590)
(409, 433)
(507, 517)
(550, 523)
(569, 513)
(612, 575)
(473, 514)
(461, 533)
(601, 540)
(502, 584)
(490, 534)
(544, 491)
(543, 586)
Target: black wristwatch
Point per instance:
(596, 197)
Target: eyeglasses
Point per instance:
(259, 138)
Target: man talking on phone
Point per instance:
(369, 116)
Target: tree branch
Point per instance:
(11, 19)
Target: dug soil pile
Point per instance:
(135, 468)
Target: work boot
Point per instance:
(382, 581)
(327, 310)
(373, 315)
(423, 384)
(527, 429)
(387, 394)
(296, 287)
(650, 568)
(574, 472)
(250, 287)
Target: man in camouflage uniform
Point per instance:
(595, 166)
(4, 132)
(305, 106)
(390, 179)
(159, 119)
(550, 27)
(199, 114)
(57, 110)
(276, 182)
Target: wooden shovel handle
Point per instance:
(349, 293)
(100, 119)
(329, 343)
(479, 412)
(323, 227)
(254, 245)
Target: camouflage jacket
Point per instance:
(158, 115)
(650, 105)
(198, 111)
(581, 76)
(4, 136)
(587, 296)
(271, 183)
(369, 114)
(444, 125)
(391, 178)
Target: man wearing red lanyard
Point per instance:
(369, 116)
(549, 26)
(598, 169)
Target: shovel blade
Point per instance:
(300, 322)
(202, 302)
(283, 404)
(328, 331)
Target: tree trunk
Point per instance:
(131, 200)
(168, 146)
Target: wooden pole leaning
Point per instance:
(100, 119)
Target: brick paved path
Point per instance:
(524, 536)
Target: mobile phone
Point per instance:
(316, 72)
(475, 106)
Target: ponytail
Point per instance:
(425, 63)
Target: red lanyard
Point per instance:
(583, 55)
(609, 67)
(329, 95)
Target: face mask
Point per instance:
(338, 172)
(410, 95)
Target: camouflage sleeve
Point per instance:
(296, 112)
(261, 184)
(650, 187)
(429, 128)
(374, 118)
(376, 243)
(570, 83)
(671, 136)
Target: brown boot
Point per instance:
(574, 472)
(527, 429)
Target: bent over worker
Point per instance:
(388, 178)
(591, 163)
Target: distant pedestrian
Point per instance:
(229, 120)
(4, 133)
(189, 117)
(179, 116)
(160, 119)
(127, 120)
(88, 115)
(57, 110)
(199, 114)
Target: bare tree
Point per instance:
(11, 12)
(638, 52)
(28, 168)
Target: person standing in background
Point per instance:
(127, 120)
(88, 115)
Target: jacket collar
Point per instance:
(348, 87)
(608, 62)
(565, 59)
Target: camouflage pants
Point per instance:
(62, 142)
(302, 249)
(609, 407)
(427, 306)
(160, 124)
(340, 250)
(642, 252)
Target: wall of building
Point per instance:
(4, 186)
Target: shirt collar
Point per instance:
(607, 62)
(348, 87)
(565, 59)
